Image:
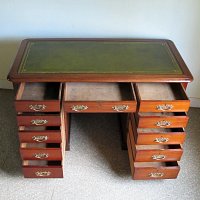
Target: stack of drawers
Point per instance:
(41, 127)
(156, 130)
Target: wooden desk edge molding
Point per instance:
(141, 80)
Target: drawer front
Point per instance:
(38, 137)
(164, 106)
(87, 107)
(158, 155)
(41, 154)
(161, 97)
(155, 138)
(39, 120)
(37, 106)
(43, 172)
(163, 122)
(145, 173)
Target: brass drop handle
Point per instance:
(79, 108)
(41, 155)
(40, 138)
(39, 122)
(156, 174)
(43, 173)
(120, 108)
(164, 107)
(163, 123)
(37, 107)
(161, 140)
(158, 157)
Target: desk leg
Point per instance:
(67, 130)
(123, 121)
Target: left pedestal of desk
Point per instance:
(41, 126)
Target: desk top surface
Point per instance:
(98, 60)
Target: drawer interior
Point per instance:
(160, 130)
(98, 92)
(39, 128)
(43, 163)
(161, 91)
(157, 147)
(155, 164)
(40, 145)
(39, 91)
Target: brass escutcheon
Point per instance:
(37, 107)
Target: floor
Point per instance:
(96, 168)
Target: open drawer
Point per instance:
(38, 134)
(38, 97)
(161, 97)
(162, 120)
(151, 170)
(157, 135)
(41, 151)
(99, 97)
(42, 169)
(38, 119)
(154, 153)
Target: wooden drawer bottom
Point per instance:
(42, 169)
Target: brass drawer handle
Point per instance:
(43, 173)
(37, 107)
(40, 138)
(161, 140)
(158, 157)
(120, 108)
(39, 122)
(164, 107)
(163, 123)
(41, 155)
(79, 108)
(156, 174)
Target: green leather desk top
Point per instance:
(98, 57)
(99, 60)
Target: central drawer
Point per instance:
(42, 151)
(99, 97)
(38, 97)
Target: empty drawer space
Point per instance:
(38, 97)
(161, 97)
(99, 97)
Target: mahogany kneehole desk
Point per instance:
(142, 80)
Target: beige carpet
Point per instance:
(96, 167)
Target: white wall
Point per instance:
(172, 19)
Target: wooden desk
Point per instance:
(143, 81)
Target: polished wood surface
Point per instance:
(14, 76)
(152, 121)
(161, 97)
(154, 153)
(50, 120)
